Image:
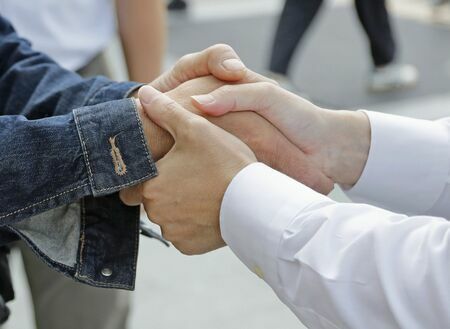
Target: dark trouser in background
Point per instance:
(297, 16)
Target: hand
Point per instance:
(268, 143)
(336, 142)
(219, 60)
(185, 198)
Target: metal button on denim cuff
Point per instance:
(106, 272)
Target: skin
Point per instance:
(185, 199)
(185, 206)
(337, 142)
(266, 141)
(142, 29)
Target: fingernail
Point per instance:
(146, 94)
(233, 64)
(204, 99)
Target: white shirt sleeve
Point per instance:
(338, 265)
(408, 167)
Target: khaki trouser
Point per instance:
(61, 303)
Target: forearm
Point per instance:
(54, 161)
(349, 265)
(346, 143)
(408, 166)
(142, 28)
(31, 84)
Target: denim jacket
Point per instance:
(67, 146)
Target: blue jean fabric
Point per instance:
(55, 149)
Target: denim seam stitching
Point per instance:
(104, 284)
(141, 132)
(136, 244)
(82, 235)
(45, 200)
(126, 184)
(144, 144)
(84, 148)
(79, 265)
(39, 252)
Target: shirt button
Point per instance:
(106, 272)
(258, 271)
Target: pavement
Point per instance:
(216, 290)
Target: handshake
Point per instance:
(210, 117)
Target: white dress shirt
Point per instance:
(340, 265)
(72, 32)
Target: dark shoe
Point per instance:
(177, 5)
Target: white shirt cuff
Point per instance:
(257, 207)
(408, 164)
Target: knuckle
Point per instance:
(267, 91)
(222, 47)
(148, 194)
(149, 191)
(166, 233)
(182, 66)
(185, 59)
(171, 105)
(185, 248)
(225, 91)
(188, 251)
(193, 125)
(266, 87)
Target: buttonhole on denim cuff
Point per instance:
(119, 165)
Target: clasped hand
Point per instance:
(200, 155)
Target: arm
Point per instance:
(51, 157)
(382, 159)
(269, 145)
(338, 265)
(335, 265)
(36, 101)
(142, 28)
(33, 87)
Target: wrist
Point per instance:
(158, 140)
(349, 145)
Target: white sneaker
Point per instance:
(393, 76)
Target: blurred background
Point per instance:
(333, 67)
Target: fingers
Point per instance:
(132, 196)
(164, 111)
(219, 60)
(232, 98)
(252, 77)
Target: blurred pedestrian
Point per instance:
(76, 32)
(177, 5)
(297, 16)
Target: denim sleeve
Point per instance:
(50, 156)
(33, 85)
(48, 162)
(65, 139)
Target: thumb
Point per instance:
(163, 110)
(235, 98)
(131, 196)
(219, 60)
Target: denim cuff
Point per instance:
(114, 146)
(113, 91)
